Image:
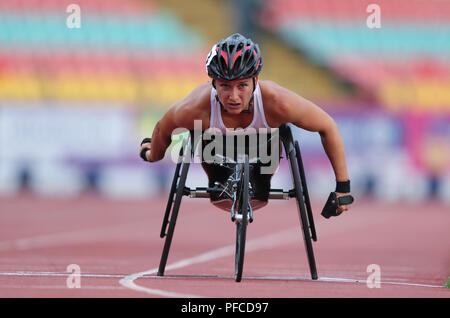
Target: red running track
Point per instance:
(117, 247)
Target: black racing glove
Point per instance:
(144, 151)
(333, 202)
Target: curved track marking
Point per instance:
(263, 242)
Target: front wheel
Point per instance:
(242, 219)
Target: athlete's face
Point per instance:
(235, 95)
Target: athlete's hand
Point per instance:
(342, 208)
(337, 203)
(144, 150)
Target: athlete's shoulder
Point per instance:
(274, 97)
(272, 90)
(268, 88)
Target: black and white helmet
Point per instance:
(236, 57)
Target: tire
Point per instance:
(303, 216)
(305, 192)
(173, 216)
(241, 226)
(173, 190)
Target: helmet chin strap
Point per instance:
(250, 103)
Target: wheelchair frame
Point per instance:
(299, 192)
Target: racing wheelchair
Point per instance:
(238, 191)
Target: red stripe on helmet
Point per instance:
(224, 56)
(240, 52)
(256, 68)
(235, 57)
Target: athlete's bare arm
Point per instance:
(182, 114)
(285, 106)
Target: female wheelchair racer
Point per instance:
(236, 98)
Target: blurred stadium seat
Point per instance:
(119, 47)
(412, 43)
(130, 59)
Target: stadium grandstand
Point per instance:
(83, 96)
(120, 48)
(404, 63)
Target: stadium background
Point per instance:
(76, 102)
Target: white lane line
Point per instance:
(264, 242)
(280, 278)
(350, 280)
(285, 278)
(52, 274)
(148, 290)
(83, 287)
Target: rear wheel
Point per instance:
(303, 216)
(176, 195)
